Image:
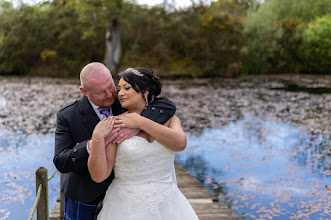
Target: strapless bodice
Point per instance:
(139, 160)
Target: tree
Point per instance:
(21, 36)
(107, 15)
(113, 49)
(316, 43)
(222, 23)
(271, 32)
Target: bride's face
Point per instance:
(128, 97)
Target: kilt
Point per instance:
(79, 211)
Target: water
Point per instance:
(261, 145)
(255, 166)
(20, 156)
(266, 169)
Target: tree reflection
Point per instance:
(210, 176)
(258, 164)
(313, 153)
(309, 149)
(198, 166)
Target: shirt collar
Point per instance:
(95, 107)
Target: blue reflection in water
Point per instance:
(264, 168)
(20, 156)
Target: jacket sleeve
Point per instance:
(68, 156)
(160, 110)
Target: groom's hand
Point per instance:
(112, 136)
(125, 133)
(109, 139)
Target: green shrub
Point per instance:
(272, 36)
(315, 47)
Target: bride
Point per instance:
(145, 185)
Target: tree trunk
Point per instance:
(113, 44)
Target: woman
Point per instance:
(144, 185)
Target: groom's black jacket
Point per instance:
(74, 126)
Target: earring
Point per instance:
(146, 100)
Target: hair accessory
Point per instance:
(135, 72)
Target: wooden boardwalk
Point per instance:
(202, 201)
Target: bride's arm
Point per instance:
(170, 135)
(102, 158)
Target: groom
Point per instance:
(74, 127)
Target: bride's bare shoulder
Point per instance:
(173, 120)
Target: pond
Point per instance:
(262, 145)
(20, 156)
(263, 168)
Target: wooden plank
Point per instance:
(218, 217)
(55, 214)
(200, 198)
(185, 180)
(213, 208)
(196, 192)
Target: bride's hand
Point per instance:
(103, 128)
(128, 120)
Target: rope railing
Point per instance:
(53, 174)
(42, 194)
(35, 202)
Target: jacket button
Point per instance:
(153, 108)
(161, 111)
(73, 159)
(75, 150)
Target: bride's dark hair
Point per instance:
(143, 80)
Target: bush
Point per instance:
(315, 47)
(272, 36)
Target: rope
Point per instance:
(35, 202)
(38, 196)
(52, 175)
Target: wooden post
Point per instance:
(61, 197)
(42, 207)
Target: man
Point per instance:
(74, 127)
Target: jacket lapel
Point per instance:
(90, 119)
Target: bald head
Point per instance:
(97, 84)
(92, 72)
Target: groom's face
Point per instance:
(102, 92)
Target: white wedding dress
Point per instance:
(144, 187)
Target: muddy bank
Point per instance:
(30, 104)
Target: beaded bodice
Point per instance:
(138, 160)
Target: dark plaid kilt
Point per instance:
(79, 211)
